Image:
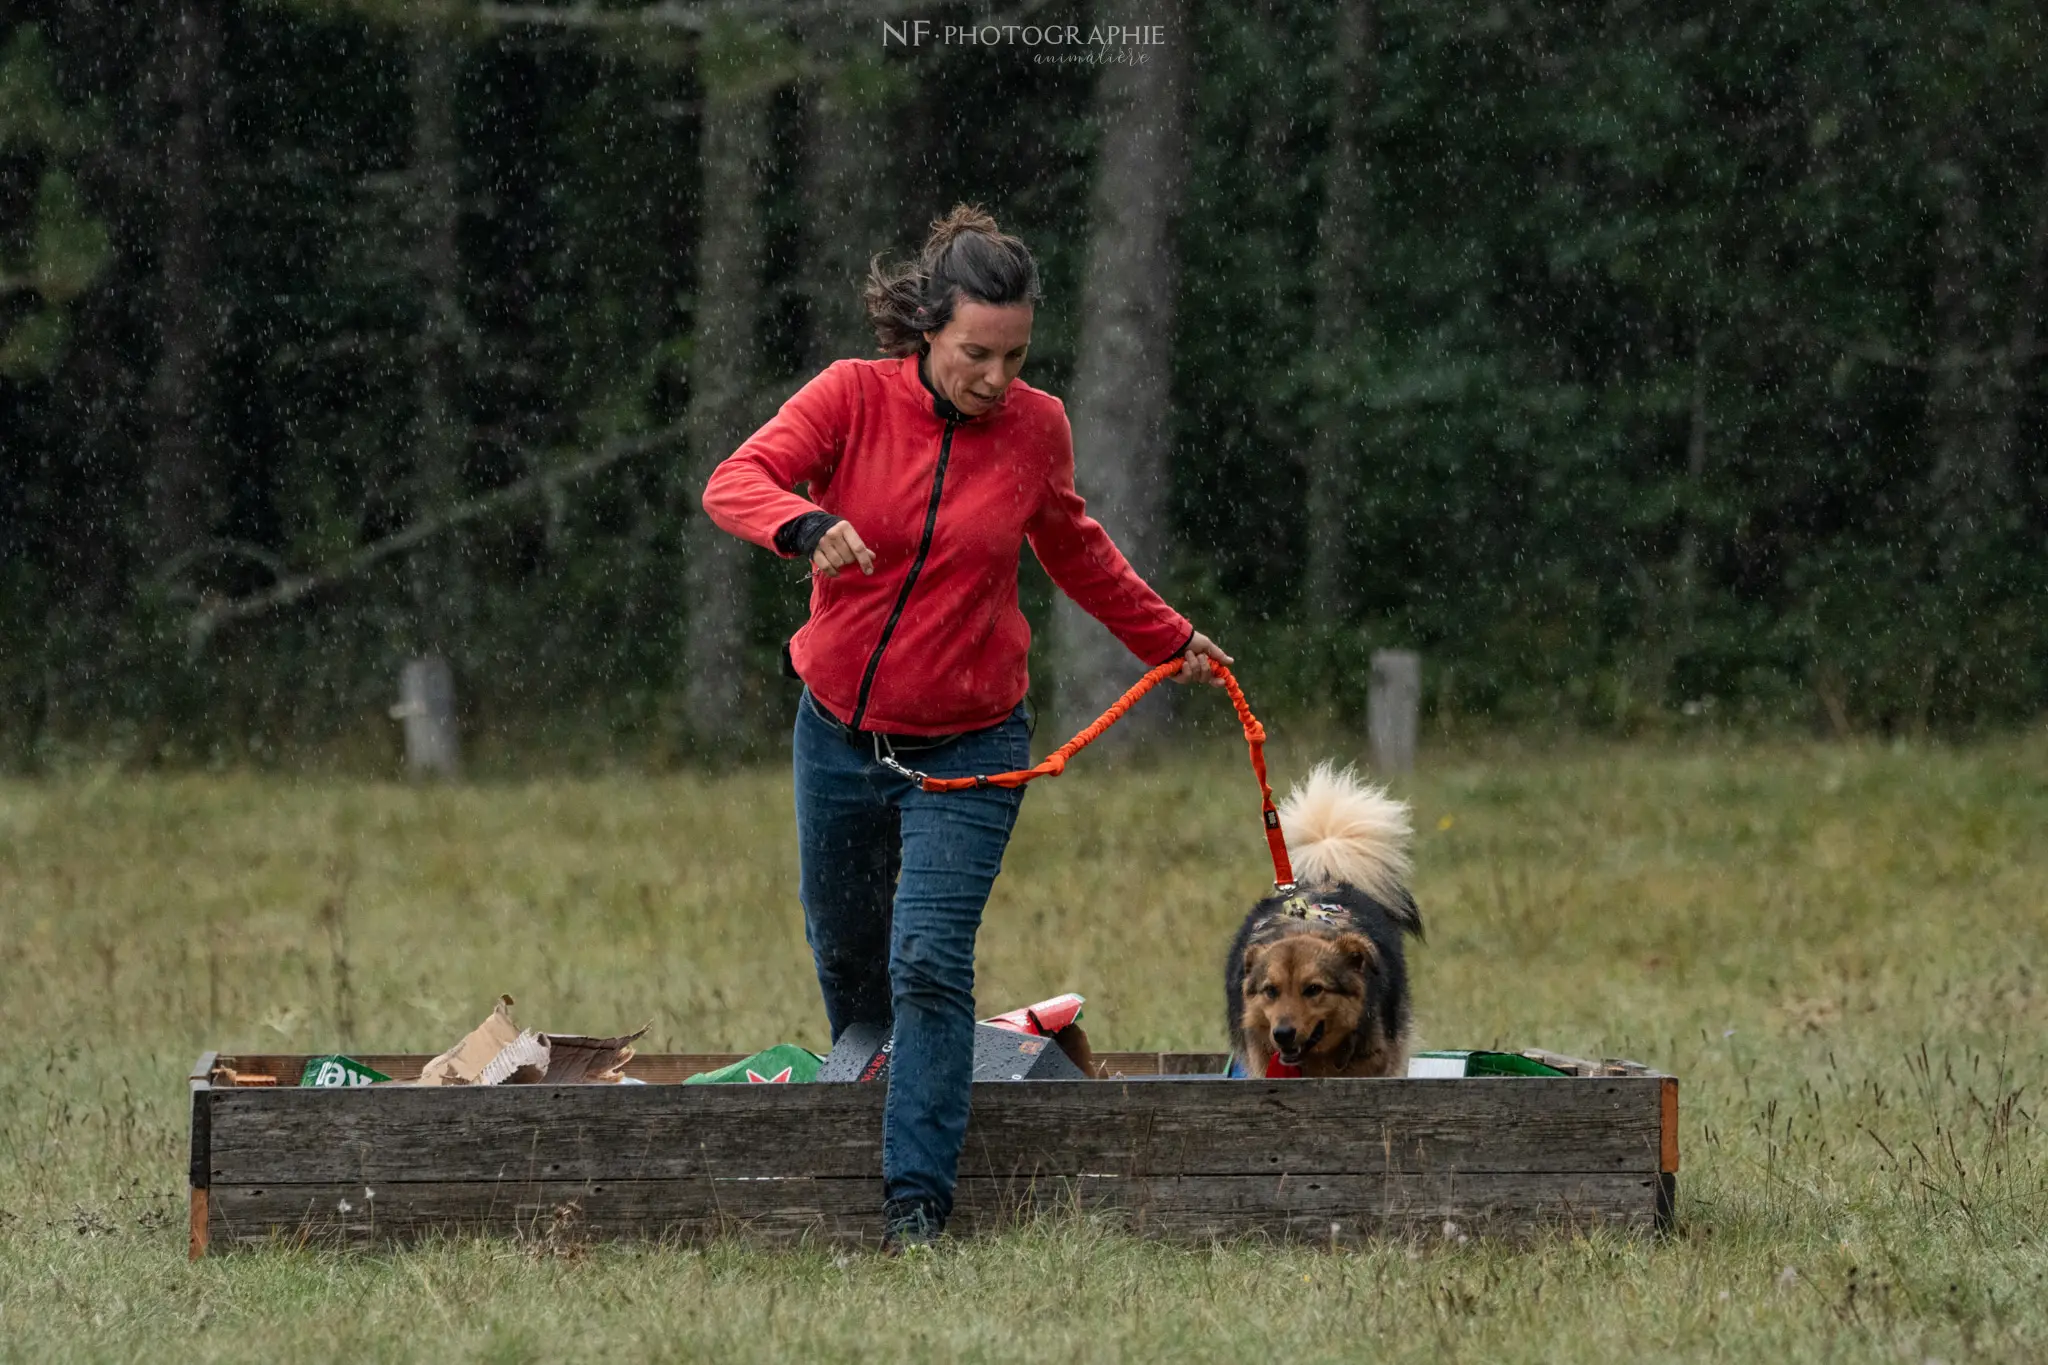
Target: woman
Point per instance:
(927, 472)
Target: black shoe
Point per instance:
(911, 1225)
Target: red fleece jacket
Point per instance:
(933, 642)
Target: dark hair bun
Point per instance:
(965, 255)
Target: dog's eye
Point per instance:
(1271, 992)
(1311, 992)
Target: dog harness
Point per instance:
(1320, 912)
(1055, 763)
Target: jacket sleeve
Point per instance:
(751, 493)
(1089, 568)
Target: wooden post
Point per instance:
(1392, 708)
(1121, 396)
(426, 703)
(200, 1084)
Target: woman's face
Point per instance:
(976, 354)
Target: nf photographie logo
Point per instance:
(1049, 42)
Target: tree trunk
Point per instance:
(440, 580)
(735, 144)
(1124, 376)
(848, 174)
(2017, 361)
(1971, 478)
(180, 491)
(1329, 594)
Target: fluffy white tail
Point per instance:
(1339, 829)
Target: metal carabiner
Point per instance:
(889, 761)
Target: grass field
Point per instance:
(1840, 949)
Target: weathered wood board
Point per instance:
(1198, 1158)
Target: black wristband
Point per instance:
(799, 536)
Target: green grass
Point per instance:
(1839, 949)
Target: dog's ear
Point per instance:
(1356, 950)
(1253, 956)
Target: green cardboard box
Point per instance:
(783, 1064)
(336, 1072)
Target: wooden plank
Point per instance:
(661, 1068)
(670, 1068)
(198, 1085)
(200, 1161)
(1342, 1209)
(1667, 1112)
(200, 1225)
(1160, 1127)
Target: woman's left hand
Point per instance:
(1201, 649)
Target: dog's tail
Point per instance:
(1339, 829)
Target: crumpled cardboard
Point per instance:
(783, 1064)
(576, 1060)
(499, 1052)
(1058, 1019)
(1045, 1018)
(492, 1052)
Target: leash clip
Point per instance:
(890, 761)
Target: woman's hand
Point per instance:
(842, 548)
(1201, 649)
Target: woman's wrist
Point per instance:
(799, 536)
(1198, 659)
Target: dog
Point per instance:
(1316, 979)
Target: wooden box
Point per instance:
(1161, 1149)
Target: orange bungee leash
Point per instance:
(1055, 763)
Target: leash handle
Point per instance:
(1055, 763)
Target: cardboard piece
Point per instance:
(863, 1051)
(1045, 1018)
(1005, 1055)
(783, 1064)
(860, 1054)
(338, 1072)
(1058, 1019)
(1074, 1043)
(498, 1052)
(493, 1050)
(576, 1060)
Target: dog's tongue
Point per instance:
(1281, 1069)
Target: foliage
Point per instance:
(66, 248)
(1699, 365)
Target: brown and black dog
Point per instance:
(1317, 978)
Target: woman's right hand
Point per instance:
(842, 548)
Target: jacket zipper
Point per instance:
(924, 546)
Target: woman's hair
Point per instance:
(965, 255)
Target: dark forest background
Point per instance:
(1635, 363)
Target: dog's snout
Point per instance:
(1285, 1036)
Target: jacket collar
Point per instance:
(920, 391)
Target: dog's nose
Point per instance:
(1284, 1037)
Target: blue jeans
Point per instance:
(893, 880)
